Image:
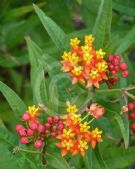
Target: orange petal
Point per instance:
(64, 117)
(82, 153)
(105, 77)
(93, 144)
(88, 84)
(64, 152)
(59, 144)
(75, 80)
(96, 84)
(74, 152)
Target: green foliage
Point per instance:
(56, 161)
(112, 24)
(56, 34)
(101, 29)
(13, 99)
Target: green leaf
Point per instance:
(7, 137)
(88, 159)
(57, 35)
(14, 59)
(89, 11)
(123, 124)
(101, 30)
(124, 8)
(57, 161)
(111, 45)
(7, 160)
(126, 42)
(13, 99)
(118, 157)
(99, 159)
(34, 55)
(20, 11)
(38, 67)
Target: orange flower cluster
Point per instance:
(76, 135)
(84, 63)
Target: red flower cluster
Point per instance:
(131, 108)
(116, 67)
(35, 131)
(76, 134)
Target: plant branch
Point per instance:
(116, 90)
(18, 149)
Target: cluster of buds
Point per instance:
(35, 131)
(116, 68)
(76, 134)
(131, 116)
(84, 63)
(87, 65)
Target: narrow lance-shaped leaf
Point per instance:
(101, 29)
(126, 42)
(126, 9)
(8, 160)
(13, 99)
(57, 161)
(88, 159)
(117, 157)
(20, 11)
(55, 32)
(123, 124)
(99, 159)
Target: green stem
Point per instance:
(91, 120)
(44, 161)
(85, 117)
(29, 151)
(116, 90)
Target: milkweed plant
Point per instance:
(81, 123)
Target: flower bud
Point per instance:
(115, 62)
(111, 66)
(19, 127)
(30, 132)
(41, 128)
(132, 116)
(125, 73)
(110, 58)
(38, 144)
(56, 119)
(124, 109)
(131, 106)
(96, 110)
(133, 127)
(50, 120)
(61, 127)
(42, 108)
(26, 116)
(47, 131)
(118, 57)
(47, 125)
(54, 128)
(113, 72)
(33, 126)
(116, 68)
(24, 140)
(22, 132)
(123, 66)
